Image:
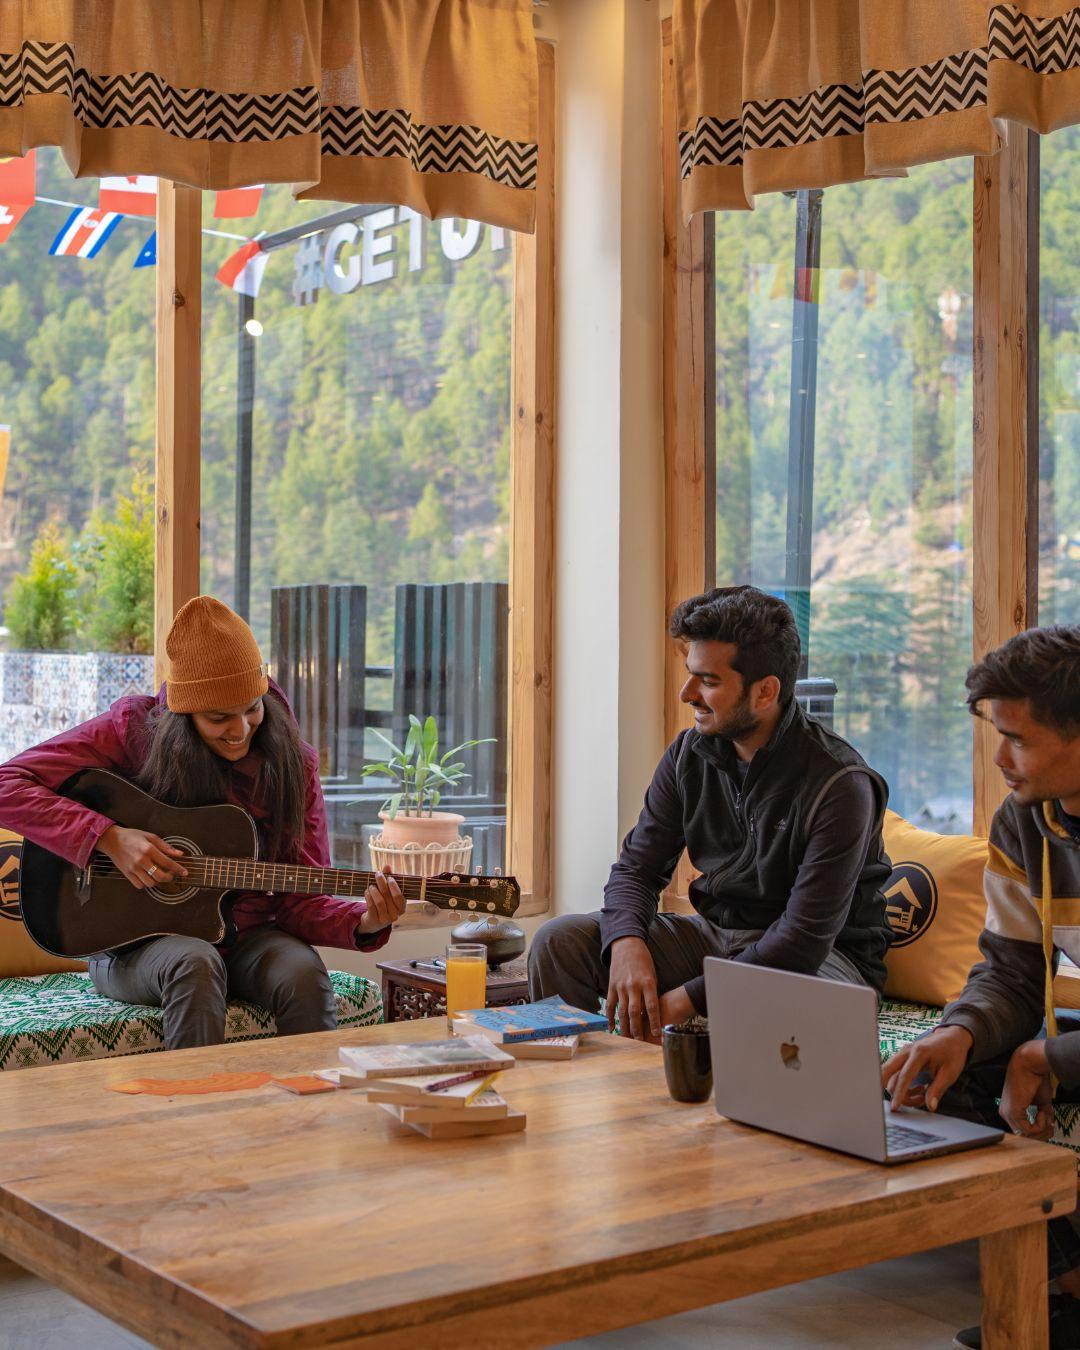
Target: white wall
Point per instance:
(609, 564)
(609, 544)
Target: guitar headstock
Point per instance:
(473, 894)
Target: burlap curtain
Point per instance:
(783, 94)
(427, 103)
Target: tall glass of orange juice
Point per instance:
(466, 978)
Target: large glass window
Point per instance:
(844, 457)
(366, 391)
(76, 451)
(1059, 379)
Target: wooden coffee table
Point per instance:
(265, 1219)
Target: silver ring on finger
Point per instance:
(151, 869)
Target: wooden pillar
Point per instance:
(179, 314)
(532, 527)
(689, 414)
(1005, 464)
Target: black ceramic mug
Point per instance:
(687, 1064)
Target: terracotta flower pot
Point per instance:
(441, 827)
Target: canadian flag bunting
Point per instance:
(132, 196)
(9, 218)
(17, 187)
(84, 233)
(243, 271)
(235, 203)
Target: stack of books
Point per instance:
(440, 1089)
(548, 1029)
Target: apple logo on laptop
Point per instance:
(789, 1053)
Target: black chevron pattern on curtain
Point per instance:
(714, 140)
(391, 132)
(1045, 46)
(953, 84)
(143, 98)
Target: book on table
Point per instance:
(453, 1127)
(428, 1090)
(517, 1023)
(456, 1057)
(486, 1105)
(550, 1047)
(455, 1084)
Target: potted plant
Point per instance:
(416, 838)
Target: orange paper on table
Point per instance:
(304, 1084)
(182, 1087)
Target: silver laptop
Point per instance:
(799, 1055)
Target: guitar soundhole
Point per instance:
(174, 892)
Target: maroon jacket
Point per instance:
(30, 806)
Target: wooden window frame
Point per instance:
(689, 423)
(532, 511)
(1005, 418)
(1005, 397)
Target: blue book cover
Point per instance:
(533, 1021)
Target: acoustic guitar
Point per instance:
(74, 912)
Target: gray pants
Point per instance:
(191, 982)
(565, 960)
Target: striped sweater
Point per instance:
(1010, 992)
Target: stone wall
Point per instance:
(42, 693)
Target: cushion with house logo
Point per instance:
(935, 907)
(18, 954)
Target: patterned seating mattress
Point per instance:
(55, 1019)
(900, 1023)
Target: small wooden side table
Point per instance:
(412, 989)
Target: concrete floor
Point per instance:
(912, 1304)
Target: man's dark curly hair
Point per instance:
(1041, 665)
(761, 626)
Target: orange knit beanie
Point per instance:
(214, 661)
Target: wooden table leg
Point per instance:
(387, 997)
(1013, 1270)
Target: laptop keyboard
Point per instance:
(899, 1137)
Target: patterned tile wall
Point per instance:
(43, 693)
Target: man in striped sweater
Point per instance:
(1001, 1037)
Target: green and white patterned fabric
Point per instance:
(900, 1023)
(56, 1019)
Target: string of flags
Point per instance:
(87, 230)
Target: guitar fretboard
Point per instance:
(247, 874)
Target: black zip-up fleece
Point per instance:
(749, 839)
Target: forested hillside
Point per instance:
(381, 417)
(891, 584)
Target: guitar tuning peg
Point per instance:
(497, 872)
(477, 871)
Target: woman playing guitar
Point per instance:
(219, 731)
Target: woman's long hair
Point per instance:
(182, 770)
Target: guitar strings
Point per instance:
(411, 887)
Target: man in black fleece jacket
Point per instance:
(781, 818)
